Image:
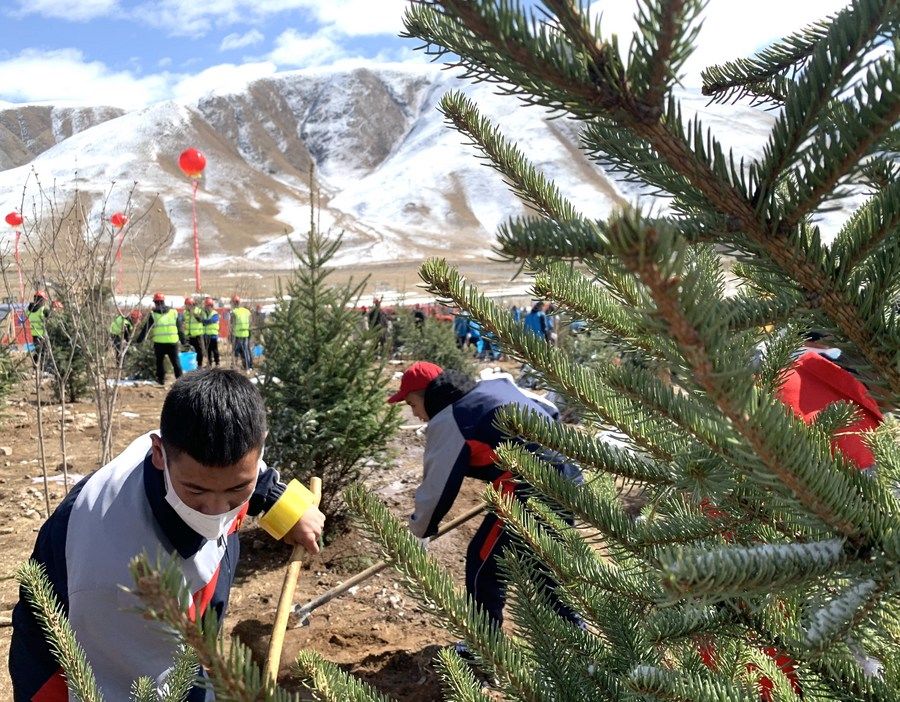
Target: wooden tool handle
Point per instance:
(376, 568)
(286, 599)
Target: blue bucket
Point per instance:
(188, 360)
(257, 351)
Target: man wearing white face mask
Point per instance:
(181, 493)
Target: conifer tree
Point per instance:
(324, 384)
(765, 562)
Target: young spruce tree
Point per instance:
(765, 564)
(324, 384)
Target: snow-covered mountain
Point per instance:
(399, 182)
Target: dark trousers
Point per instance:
(242, 351)
(197, 344)
(212, 349)
(161, 351)
(484, 581)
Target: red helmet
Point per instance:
(41, 294)
(235, 300)
(135, 315)
(159, 297)
(189, 300)
(209, 302)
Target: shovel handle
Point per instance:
(286, 599)
(376, 568)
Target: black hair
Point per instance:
(215, 416)
(447, 388)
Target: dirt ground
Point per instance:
(377, 633)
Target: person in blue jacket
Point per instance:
(459, 443)
(179, 492)
(536, 321)
(461, 329)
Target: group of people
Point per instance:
(470, 335)
(185, 488)
(167, 328)
(196, 325)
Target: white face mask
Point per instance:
(209, 526)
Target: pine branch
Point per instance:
(873, 227)
(233, 675)
(687, 621)
(746, 313)
(604, 512)
(457, 679)
(766, 428)
(738, 571)
(61, 639)
(520, 174)
(850, 135)
(581, 383)
(498, 43)
(459, 614)
(331, 684)
(832, 57)
(594, 578)
(846, 612)
(655, 683)
(587, 451)
(144, 690)
(667, 30)
(730, 81)
(599, 307)
(564, 654)
(182, 677)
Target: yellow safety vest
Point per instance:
(211, 329)
(193, 321)
(241, 318)
(36, 320)
(119, 325)
(165, 327)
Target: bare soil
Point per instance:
(377, 633)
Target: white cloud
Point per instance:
(360, 17)
(224, 78)
(295, 50)
(347, 17)
(240, 41)
(77, 11)
(730, 29)
(62, 76)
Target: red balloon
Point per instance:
(118, 220)
(192, 162)
(14, 219)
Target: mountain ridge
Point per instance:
(391, 174)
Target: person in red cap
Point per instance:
(36, 314)
(459, 443)
(164, 328)
(240, 332)
(211, 330)
(193, 317)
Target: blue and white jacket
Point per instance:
(460, 442)
(110, 517)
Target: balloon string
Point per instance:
(120, 267)
(196, 239)
(19, 268)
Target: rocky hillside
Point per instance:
(398, 181)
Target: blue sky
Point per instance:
(134, 52)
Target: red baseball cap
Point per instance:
(416, 379)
